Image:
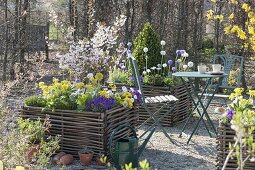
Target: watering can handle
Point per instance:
(114, 132)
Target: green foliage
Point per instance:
(207, 43)
(120, 76)
(150, 39)
(159, 80)
(15, 145)
(82, 100)
(33, 130)
(36, 101)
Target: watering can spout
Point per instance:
(142, 147)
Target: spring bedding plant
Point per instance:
(241, 118)
(90, 96)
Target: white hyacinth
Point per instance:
(164, 65)
(185, 66)
(163, 52)
(153, 68)
(162, 42)
(144, 72)
(190, 64)
(145, 49)
(148, 70)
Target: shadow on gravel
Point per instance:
(165, 160)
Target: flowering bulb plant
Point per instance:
(162, 73)
(90, 96)
(242, 120)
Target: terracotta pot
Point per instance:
(86, 157)
(57, 157)
(67, 159)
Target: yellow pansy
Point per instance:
(246, 7)
(103, 93)
(213, 1)
(233, 1)
(129, 102)
(126, 94)
(41, 84)
(238, 91)
(99, 76)
(113, 87)
(79, 85)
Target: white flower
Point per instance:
(190, 64)
(133, 100)
(109, 92)
(252, 159)
(148, 70)
(124, 89)
(164, 65)
(163, 52)
(123, 67)
(158, 68)
(153, 68)
(185, 54)
(159, 65)
(135, 96)
(145, 49)
(90, 75)
(185, 66)
(162, 42)
(144, 72)
(178, 60)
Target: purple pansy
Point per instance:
(170, 62)
(100, 104)
(178, 52)
(182, 51)
(121, 65)
(77, 80)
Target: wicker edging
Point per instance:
(78, 129)
(224, 137)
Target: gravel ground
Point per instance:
(199, 154)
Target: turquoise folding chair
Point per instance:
(167, 101)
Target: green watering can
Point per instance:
(126, 149)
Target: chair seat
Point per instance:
(161, 99)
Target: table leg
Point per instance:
(195, 106)
(205, 110)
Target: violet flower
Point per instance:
(178, 52)
(174, 69)
(230, 114)
(100, 104)
(182, 52)
(170, 62)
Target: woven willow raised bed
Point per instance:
(78, 129)
(181, 110)
(224, 137)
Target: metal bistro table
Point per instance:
(209, 77)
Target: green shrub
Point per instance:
(150, 39)
(207, 43)
(36, 101)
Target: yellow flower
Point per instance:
(213, 1)
(219, 17)
(252, 20)
(241, 34)
(233, 1)
(103, 93)
(20, 168)
(231, 16)
(250, 14)
(238, 91)
(113, 87)
(129, 102)
(99, 76)
(79, 85)
(41, 84)
(246, 7)
(251, 93)
(209, 14)
(251, 30)
(234, 29)
(246, 45)
(227, 29)
(126, 94)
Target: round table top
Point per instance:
(196, 74)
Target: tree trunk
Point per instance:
(6, 42)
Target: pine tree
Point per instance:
(150, 39)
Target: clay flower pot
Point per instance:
(86, 156)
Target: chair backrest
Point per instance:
(137, 76)
(230, 63)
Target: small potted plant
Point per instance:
(86, 156)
